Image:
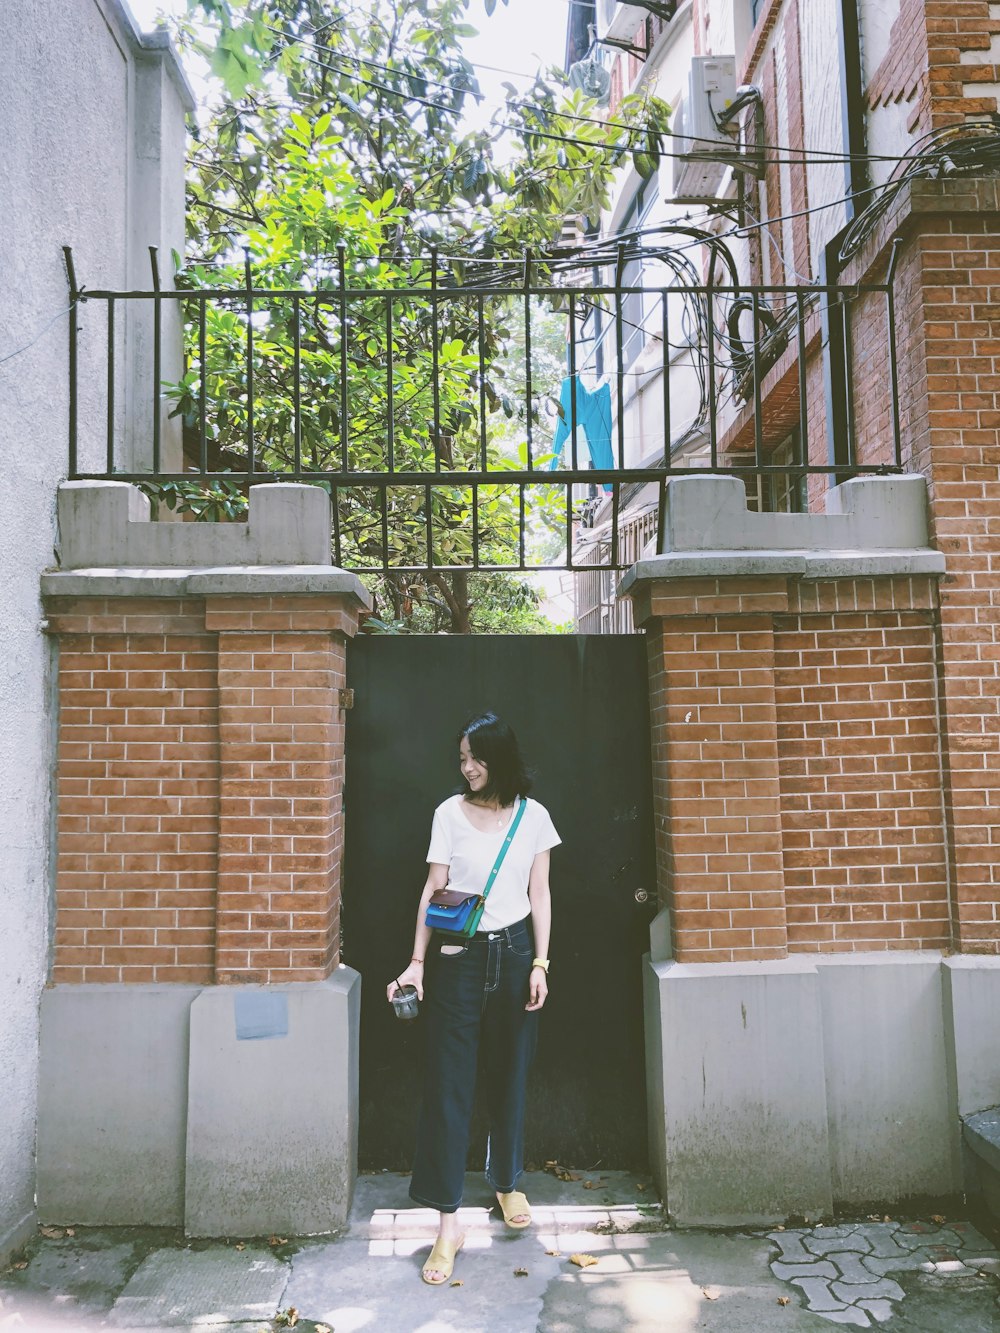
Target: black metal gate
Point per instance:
(580, 708)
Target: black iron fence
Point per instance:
(463, 425)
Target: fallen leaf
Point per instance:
(325, 1328)
(886, 1218)
(582, 1260)
(240, 1245)
(23, 1263)
(71, 1231)
(278, 1240)
(52, 1233)
(936, 1217)
(560, 1172)
(711, 1293)
(779, 1228)
(783, 1300)
(556, 1254)
(287, 1318)
(520, 1272)
(457, 1283)
(590, 1184)
(639, 1186)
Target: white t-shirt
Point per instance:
(470, 855)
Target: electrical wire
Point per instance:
(817, 157)
(948, 151)
(43, 330)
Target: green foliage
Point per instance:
(499, 604)
(340, 134)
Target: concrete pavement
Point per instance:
(934, 1274)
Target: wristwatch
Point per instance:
(543, 963)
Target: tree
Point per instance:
(338, 148)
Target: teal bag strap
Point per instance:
(503, 850)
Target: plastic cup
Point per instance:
(404, 1002)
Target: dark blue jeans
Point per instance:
(475, 1010)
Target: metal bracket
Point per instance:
(345, 699)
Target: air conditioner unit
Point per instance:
(704, 151)
(618, 20)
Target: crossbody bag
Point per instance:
(458, 914)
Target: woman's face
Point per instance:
(474, 770)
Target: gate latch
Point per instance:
(345, 698)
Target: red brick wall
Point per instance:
(198, 788)
(860, 767)
(137, 792)
(798, 779)
(715, 764)
(924, 65)
(947, 302)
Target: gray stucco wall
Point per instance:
(74, 132)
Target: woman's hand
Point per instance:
(538, 989)
(413, 976)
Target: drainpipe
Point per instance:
(852, 108)
(836, 332)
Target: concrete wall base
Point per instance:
(894, 1128)
(272, 1129)
(782, 1088)
(742, 1123)
(112, 1097)
(972, 1030)
(178, 1105)
(16, 1236)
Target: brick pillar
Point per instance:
(282, 664)
(201, 763)
(798, 780)
(715, 756)
(136, 790)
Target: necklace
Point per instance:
(498, 810)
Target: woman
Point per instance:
(485, 993)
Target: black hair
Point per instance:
(494, 744)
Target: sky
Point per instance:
(517, 38)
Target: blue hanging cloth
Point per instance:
(593, 413)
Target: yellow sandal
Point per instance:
(514, 1205)
(441, 1260)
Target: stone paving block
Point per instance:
(972, 1239)
(849, 1316)
(859, 1244)
(880, 1310)
(826, 1233)
(880, 1234)
(883, 1289)
(174, 1288)
(909, 1263)
(817, 1292)
(913, 1240)
(792, 1251)
(81, 1272)
(852, 1266)
(987, 1264)
(822, 1268)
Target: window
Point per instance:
(782, 492)
(636, 305)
